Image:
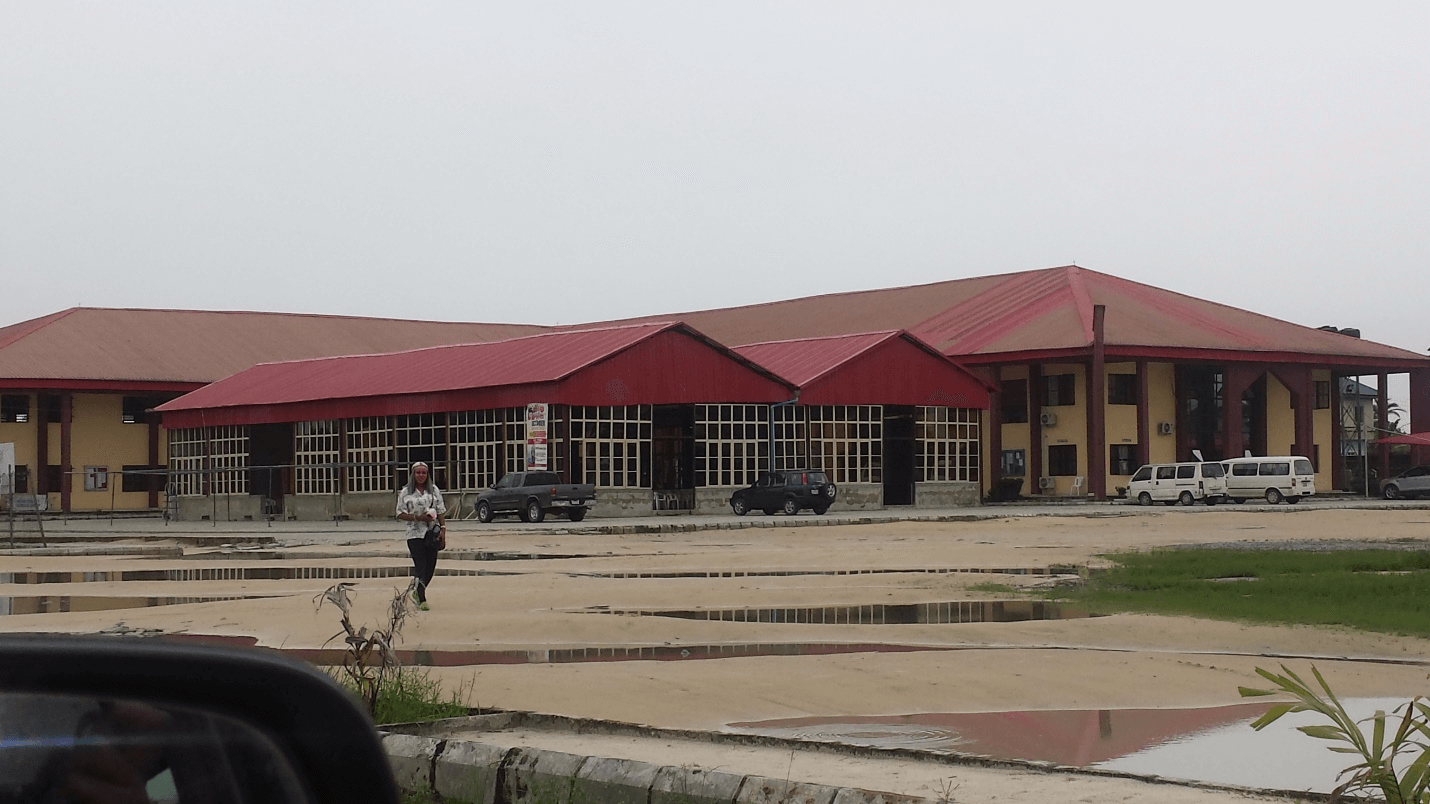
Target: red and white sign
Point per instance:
(536, 453)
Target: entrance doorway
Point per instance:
(672, 455)
(270, 451)
(899, 443)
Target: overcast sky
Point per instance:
(566, 162)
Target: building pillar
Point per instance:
(151, 481)
(1097, 407)
(1382, 422)
(1297, 380)
(1420, 410)
(1235, 382)
(1338, 461)
(1035, 427)
(1144, 414)
(66, 442)
(995, 431)
(42, 446)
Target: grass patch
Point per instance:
(411, 695)
(994, 588)
(1385, 591)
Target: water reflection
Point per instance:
(1214, 745)
(958, 611)
(53, 604)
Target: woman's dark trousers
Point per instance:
(424, 564)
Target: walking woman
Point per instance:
(420, 505)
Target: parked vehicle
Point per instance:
(1173, 483)
(790, 491)
(1277, 478)
(533, 495)
(1413, 482)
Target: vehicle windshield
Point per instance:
(1212, 470)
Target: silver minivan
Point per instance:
(1276, 478)
(1173, 483)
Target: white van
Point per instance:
(1277, 478)
(1173, 483)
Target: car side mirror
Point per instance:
(111, 718)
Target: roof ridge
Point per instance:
(285, 314)
(22, 331)
(823, 337)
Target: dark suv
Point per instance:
(788, 490)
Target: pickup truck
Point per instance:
(532, 495)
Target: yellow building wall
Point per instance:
(1161, 407)
(1280, 418)
(22, 435)
(1015, 436)
(99, 437)
(1121, 423)
(1070, 429)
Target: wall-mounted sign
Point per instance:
(96, 478)
(536, 453)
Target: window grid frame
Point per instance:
(369, 454)
(849, 449)
(948, 445)
(730, 444)
(613, 442)
(317, 449)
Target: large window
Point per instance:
(477, 448)
(15, 408)
(1122, 459)
(847, 442)
(209, 460)
(1122, 389)
(1323, 394)
(421, 437)
(1013, 402)
(947, 444)
(316, 451)
(610, 445)
(370, 454)
(1062, 460)
(1059, 390)
(791, 438)
(730, 442)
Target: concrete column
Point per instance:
(1035, 429)
(994, 418)
(1382, 422)
(1097, 407)
(152, 481)
(1144, 413)
(1420, 410)
(66, 441)
(42, 446)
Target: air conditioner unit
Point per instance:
(1164, 428)
(1046, 482)
(1048, 419)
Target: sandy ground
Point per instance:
(536, 605)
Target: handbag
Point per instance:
(434, 538)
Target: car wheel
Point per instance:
(770, 511)
(576, 514)
(1144, 499)
(1238, 500)
(821, 509)
(1186, 498)
(1391, 492)
(534, 512)
(738, 506)
(1292, 500)
(1169, 502)
(1273, 496)
(484, 511)
(791, 506)
(1212, 500)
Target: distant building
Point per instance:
(1091, 376)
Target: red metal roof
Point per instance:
(889, 368)
(655, 363)
(1048, 312)
(88, 347)
(1415, 439)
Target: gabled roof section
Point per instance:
(805, 360)
(1046, 311)
(547, 357)
(198, 346)
(893, 368)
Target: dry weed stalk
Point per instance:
(370, 658)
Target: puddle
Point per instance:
(1037, 571)
(184, 574)
(976, 611)
(657, 653)
(53, 604)
(1211, 745)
